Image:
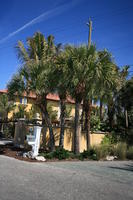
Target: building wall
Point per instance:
(17, 102)
(95, 138)
(54, 104)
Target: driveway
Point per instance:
(86, 180)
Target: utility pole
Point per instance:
(89, 24)
(88, 103)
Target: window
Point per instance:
(23, 100)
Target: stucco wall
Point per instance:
(17, 102)
(95, 138)
(54, 104)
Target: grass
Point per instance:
(129, 154)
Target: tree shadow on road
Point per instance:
(125, 168)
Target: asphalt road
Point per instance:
(21, 180)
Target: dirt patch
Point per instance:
(11, 151)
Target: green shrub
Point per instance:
(49, 155)
(110, 138)
(90, 154)
(106, 140)
(61, 154)
(95, 123)
(101, 152)
(9, 130)
(130, 153)
(72, 155)
(120, 150)
(94, 153)
(104, 126)
(84, 154)
(104, 150)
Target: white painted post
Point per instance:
(34, 140)
(35, 147)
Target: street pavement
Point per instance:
(88, 180)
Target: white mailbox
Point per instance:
(34, 140)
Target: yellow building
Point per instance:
(29, 101)
(54, 103)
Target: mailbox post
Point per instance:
(37, 130)
(34, 140)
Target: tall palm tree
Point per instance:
(80, 63)
(35, 74)
(112, 100)
(89, 88)
(62, 84)
(103, 73)
(61, 80)
(108, 82)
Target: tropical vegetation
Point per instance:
(82, 73)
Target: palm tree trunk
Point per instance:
(82, 118)
(2, 128)
(101, 110)
(62, 122)
(111, 115)
(126, 118)
(48, 122)
(44, 130)
(76, 128)
(88, 106)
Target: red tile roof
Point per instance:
(50, 96)
(4, 91)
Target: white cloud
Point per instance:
(42, 17)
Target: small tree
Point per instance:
(21, 112)
(6, 106)
(124, 103)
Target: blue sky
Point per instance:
(66, 20)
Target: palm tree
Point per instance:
(123, 73)
(62, 84)
(35, 74)
(103, 76)
(80, 63)
(90, 61)
(62, 81)
(124, 100)
(107, 80)
(6, 107)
